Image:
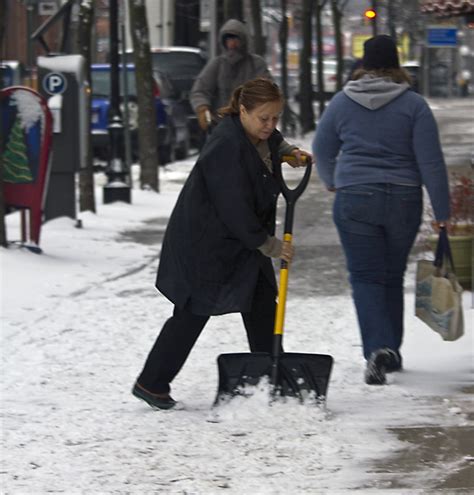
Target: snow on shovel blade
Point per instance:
(304, 375)
(298, 375)
(239, 370)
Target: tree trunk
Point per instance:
(258, 38)
(306, 87)
(147, 135)
(319, 44)
(283, 38)
(337, 18)
(86, 176)
(186, 16)
(391, 20)
(3, 21)
(3, 230)
(233, 10)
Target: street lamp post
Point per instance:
(374, 21)
(31, 6)
(117, 188)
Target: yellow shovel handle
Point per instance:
(282, 290)
(291, 159)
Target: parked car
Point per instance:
(180, 65)
(12, 73)
(171, 123)
(330, 73)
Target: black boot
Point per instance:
(378, 364)
(157, 401)
(395, 362)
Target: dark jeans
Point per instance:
(377, 225)
(181, 331)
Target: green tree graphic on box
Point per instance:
(15, 159)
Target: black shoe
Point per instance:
(157, 401)
(377, 366)
(395, 363)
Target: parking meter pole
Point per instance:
(116, 188)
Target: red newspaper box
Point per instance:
(25, 150)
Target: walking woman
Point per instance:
(217, 249)
(377, 143)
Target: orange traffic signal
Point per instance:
(370, 14)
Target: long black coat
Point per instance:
(209, 259)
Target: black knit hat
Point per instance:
(380, 52)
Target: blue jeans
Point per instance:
(377, 225)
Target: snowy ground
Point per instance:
(77, 324)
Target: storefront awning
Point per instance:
(447, 7)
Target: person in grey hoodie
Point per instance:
(221, 75)
(376, 144)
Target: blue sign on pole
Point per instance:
(442, 36)
(54, 83)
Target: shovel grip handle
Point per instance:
(291, 195)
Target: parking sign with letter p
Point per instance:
(54, 83)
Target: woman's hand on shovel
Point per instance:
(287, 251)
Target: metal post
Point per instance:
(374, 20)
(452, 62)
(162, 24)
(426, 71)
(128, 144)
(30, 6)
(391, 20)
(29, 28)
(213, 30)
(116, 188)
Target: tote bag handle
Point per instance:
(443, 250)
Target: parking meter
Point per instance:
(62, 80)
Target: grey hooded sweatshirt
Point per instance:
(378, 131)
(221, 75)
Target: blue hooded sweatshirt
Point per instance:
(378, 131)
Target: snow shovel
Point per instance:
(293, 374)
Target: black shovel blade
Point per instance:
(304, 375)
(299, 375)
(241, 369)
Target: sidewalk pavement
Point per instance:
(319, 257)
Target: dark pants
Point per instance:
(181, 331)
(377, 225)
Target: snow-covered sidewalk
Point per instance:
(77, 324)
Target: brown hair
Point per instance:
(397, 75)
(252, 94)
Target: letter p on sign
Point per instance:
(54, 83)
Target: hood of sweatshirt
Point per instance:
(374, 92)
(237, 28)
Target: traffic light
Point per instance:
(370, 14)
(370, 19)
